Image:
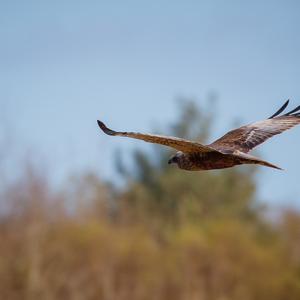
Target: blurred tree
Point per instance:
(168, 234)
(162, 192)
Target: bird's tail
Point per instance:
(250, 159)
(267, 164)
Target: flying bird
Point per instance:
(230, 150)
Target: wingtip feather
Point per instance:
(105, 129)
(293, 112)
(281, 109)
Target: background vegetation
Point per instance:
(166, 234)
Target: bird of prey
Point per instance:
(230, 150)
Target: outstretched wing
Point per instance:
(248, 137)
(173, 142)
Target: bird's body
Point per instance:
(204, 161)
(214, 161)
(228, 151)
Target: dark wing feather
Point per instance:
(248, 137)
(281, 109)
(173, 142)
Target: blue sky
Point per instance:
(65, 64)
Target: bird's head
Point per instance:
(175, 159)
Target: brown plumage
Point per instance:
(228, 151)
